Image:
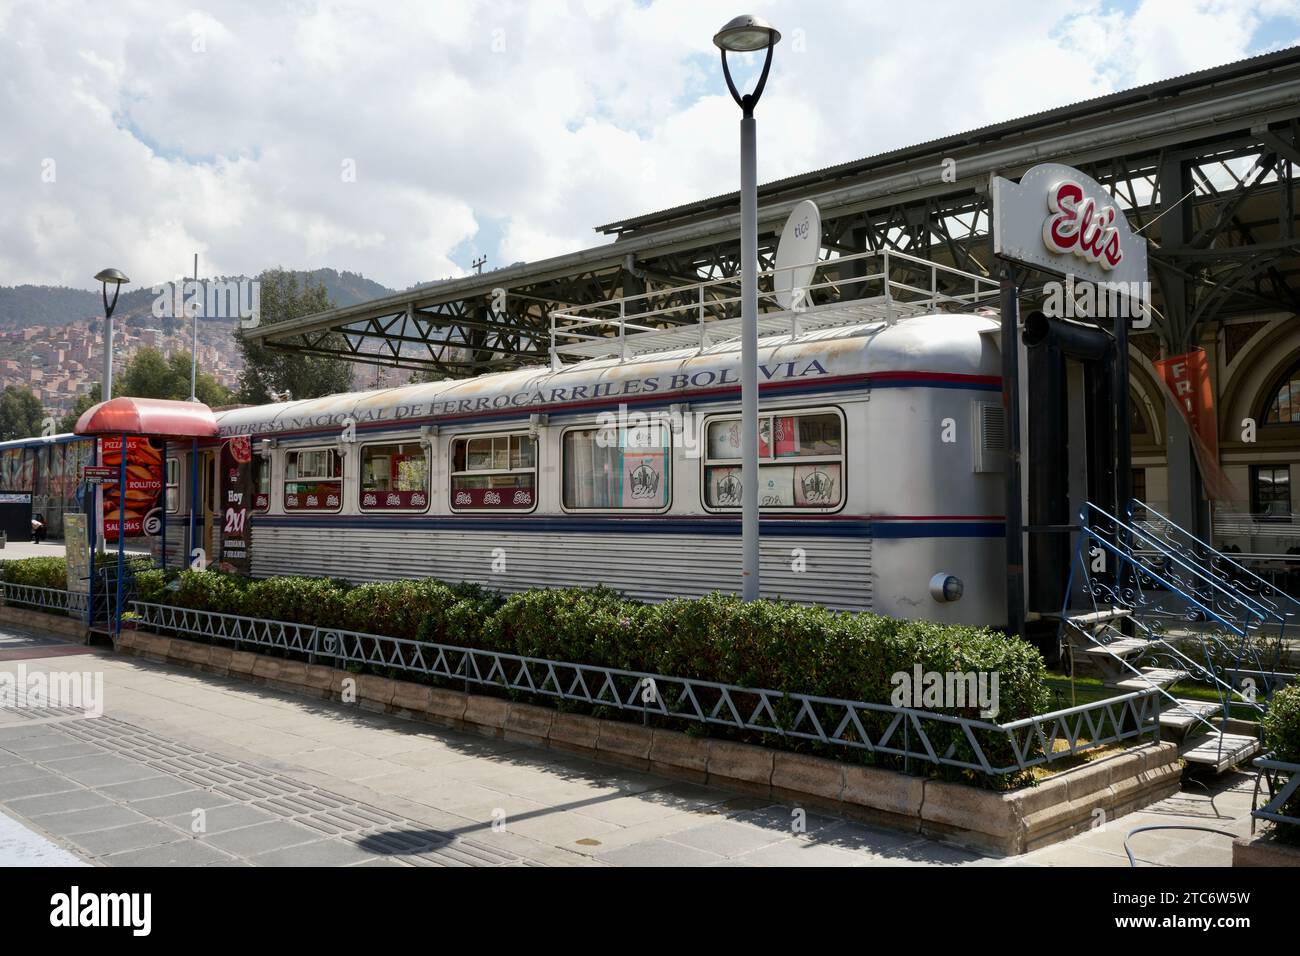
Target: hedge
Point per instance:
(770, 644)
(48, 572)
(1281, 725)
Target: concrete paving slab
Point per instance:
(258, 839)
(660, 853)
(181, 852)
(134, 836)
(321, 853)
(73, 822)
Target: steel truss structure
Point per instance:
(915, 735)
(1205, 165)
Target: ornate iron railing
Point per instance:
(947, 740)
(1174, 601)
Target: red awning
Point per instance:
(155, 417)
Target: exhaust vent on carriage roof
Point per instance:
(990, 430)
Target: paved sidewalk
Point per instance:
(190, 769)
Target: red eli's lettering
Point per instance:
(1079, 225)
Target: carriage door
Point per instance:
(211, 516)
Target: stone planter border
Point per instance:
(1261, 849)
(1010, 823)
(65, 625)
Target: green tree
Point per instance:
(266, 370)
(21, 414)
(69, 421)
(206, 388)
(149, 375)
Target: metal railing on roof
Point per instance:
(707, 313)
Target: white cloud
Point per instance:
(508, 127)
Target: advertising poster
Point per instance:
(76, 538)
(137, 511)
(237, 501)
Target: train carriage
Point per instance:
(880, 458)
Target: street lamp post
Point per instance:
(115, 278)
(748, 34)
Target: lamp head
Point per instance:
(745, 34)
(112, 276)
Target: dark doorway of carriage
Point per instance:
(1077, 424)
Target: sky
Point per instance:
(403, 140)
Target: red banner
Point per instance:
(144, 484)
(1187, 377)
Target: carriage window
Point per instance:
(616, 467)
(313, 480)
(497, 472)
(173, 485)
(395, 477)
(801, 462)
(262, 482)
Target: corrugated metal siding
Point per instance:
(651, 567)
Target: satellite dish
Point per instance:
(797, 254)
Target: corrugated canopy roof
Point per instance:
(1091, 108)
(155, 417)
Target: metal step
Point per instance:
(1093, 618)
(1185, 715)
(1125, 647)
(1235, 749)
(1150, 677)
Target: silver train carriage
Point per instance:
(881, 452)
(881, 446)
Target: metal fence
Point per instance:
(45, 599)
(1283, 782)
(942, 739)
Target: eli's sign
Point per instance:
(1061, 221)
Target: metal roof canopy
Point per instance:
(1234, 243)
(154, 417)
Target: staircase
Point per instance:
(1165, 610)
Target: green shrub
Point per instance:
(1281, 724)
(302, 600)
(48, 572)
(398, 608)
(151, 586)
(584, 625)
(209, 591)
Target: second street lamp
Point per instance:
(116, 279)
(748, 34)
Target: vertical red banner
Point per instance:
(1187, 377)
(238, 492)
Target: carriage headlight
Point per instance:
(945, 587)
